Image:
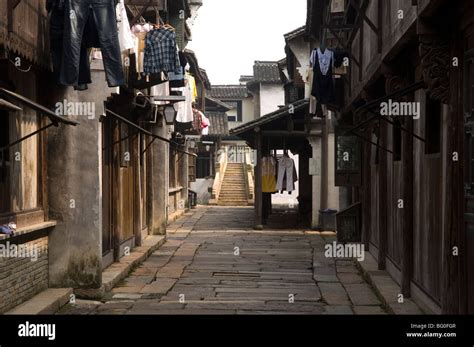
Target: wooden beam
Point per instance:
(454, 299)
(343, 44)
(361, 50)
(258, 183)
(382, 199)
(283, 133)
(324, 167)
(364, 16)
(141, 12)
(137, 190)
(357, 26)
(407, 213)
(11, 5)
(366, 191)
(380, 25)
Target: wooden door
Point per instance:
(107, 186)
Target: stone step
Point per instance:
(231, 200)
(224, 198)
(233, 203)
(46, 302)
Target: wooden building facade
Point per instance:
(416, 213)
(82, 190)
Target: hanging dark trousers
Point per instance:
(57, 19)
(102, 14)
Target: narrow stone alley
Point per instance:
(214, 263)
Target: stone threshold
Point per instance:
(173, 217)
(117, 271)
(47, 302)
(386, 288)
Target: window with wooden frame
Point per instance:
(237, 105)
(348, 158)
(4, 162)
(21, 178)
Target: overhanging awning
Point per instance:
(8, 106)
(282, 112)
(148, 133)
(53, 117)
(286, 128)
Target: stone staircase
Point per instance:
(234, 190)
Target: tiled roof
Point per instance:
(224, 92)
(295, 33)
(282, 112)
(266, 72)
(219, 124)
(245, 78)
(219, 102)
(195, 69)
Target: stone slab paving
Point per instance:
(213, 262)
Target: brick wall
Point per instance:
(22, 278)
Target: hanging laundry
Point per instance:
(323, 62)
(103, 16)
(192, 84)
(160, 52)
(185, 108)
(162, 89)
(286, 171)
(322, 88)
(126, 38)
(177, 78)
(197, 120)
(140, 31)
(205, 124)
(269, 169)
(56, 9)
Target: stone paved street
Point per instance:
(214, 263)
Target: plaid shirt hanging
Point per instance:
(161, 53)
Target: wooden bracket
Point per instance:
(364, 16)
(11, 5)
(356, 61)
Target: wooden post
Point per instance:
(454, 300)
(137, 211)
(361, 50)
(115, 186)
(383, 203)
(407, 233)
(324, 165)
(258, 181)
(366, 190)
